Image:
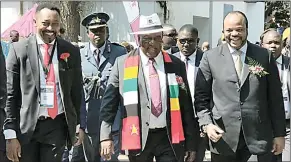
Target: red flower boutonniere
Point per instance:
(180, 82)
(65, 56)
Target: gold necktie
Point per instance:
(238, 64)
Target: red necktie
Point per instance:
(155, 89)
(51, 80)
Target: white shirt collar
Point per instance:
(41, 42)
(93, 48)
(145, 60)
(191, 57)
(243, 49)
(279, 59)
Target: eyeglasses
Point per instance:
(189, 41)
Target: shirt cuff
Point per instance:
(9, 134)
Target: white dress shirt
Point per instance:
(191, 73)
(11, 134)
(156, 122)
(169, 51)
(235, 56)
(283, 73)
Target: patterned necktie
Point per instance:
(155, 89)
(238, 64)
(50, 80)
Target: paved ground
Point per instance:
(123, 158)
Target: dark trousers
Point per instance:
(90, 149)
(200, 154)
(48, 141)
(3, 157)
(242, 154)
(158, 146)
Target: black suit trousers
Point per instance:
(157, 146)
(48, 141)
(242, 154)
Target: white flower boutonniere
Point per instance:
(256, 68)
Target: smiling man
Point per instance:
(248, 113)
(157, 113)
(43, 92)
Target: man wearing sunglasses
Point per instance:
(98, 57)
(191, 56)
(170, 40)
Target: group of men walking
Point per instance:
(165, 99)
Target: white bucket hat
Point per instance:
(150, 24)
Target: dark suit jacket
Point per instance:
(3, 95)
(113, 96)
(23, 87)
(254, 104)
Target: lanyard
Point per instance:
(44, 68)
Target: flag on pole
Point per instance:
(132, 12)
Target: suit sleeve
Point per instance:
(13, 91)
(110, 103)
(275, 100)
(83, 112)
(203, 92)
(190, 124)
(76, 90)
(3, 91)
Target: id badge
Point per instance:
(47, 95)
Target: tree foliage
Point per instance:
(280, 10)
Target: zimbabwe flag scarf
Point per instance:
(131, 132)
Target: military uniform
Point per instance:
(96, 68)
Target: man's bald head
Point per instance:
(237, 14)
(169, 36)
(14, 35)
(189, 28)
(271, 40)
(205, 46)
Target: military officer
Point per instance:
(98, 56)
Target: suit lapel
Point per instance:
(32, 52)
(228, 62)
(246, 70)
(105, 55)
(62, 68)
(198, 58)
(90, 56)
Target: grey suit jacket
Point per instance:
(3, 96)
(23, 87)
(90, 69)
(254, 104)
(113, 97)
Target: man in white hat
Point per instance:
(157, 113)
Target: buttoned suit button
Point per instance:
(239, 118)
(241, 103)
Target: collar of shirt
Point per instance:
(279, 60)
(40, 41)
(145, 60)
(169, 51)
(243, 49)
(93, 48)
(191, 57)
